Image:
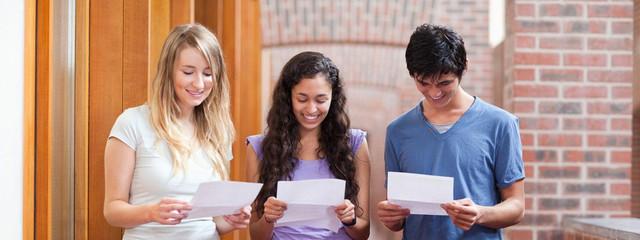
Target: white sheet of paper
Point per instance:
(311, 202)
(222, 198)
(421, 194)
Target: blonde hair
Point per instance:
(213, 127)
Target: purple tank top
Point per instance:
(309, 169)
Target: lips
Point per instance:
(311, 117)
(195, 93)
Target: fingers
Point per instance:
(274, 209)
(390, 213)
(169, 211)
(463, 213)
(346, 211)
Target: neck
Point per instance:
(186, 114)
(309, 135)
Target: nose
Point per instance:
(198, 82)
(311, 107)
(434, 92)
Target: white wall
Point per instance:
(11, 116)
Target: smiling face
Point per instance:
(439, 93)
(311, 99)
(192, 78)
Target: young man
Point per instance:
(451, 133)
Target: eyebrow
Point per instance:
(191, 66)
(319, 95)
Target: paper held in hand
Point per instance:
(222, 198)
(421, 194)
(311, 202)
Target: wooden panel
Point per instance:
(239, 33)
(209, 14)
(181, 12)
(159, 30)
(43, 121)
(28, 208)
(105, 102)
(635, 147)
(81, 141)
(135, 53)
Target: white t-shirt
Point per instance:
(153, 178)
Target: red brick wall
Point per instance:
(569, 75)
(367, 39)
(635, 195)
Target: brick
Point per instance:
(526, 139)
(536, 58)
(523, 106)
(529, 171)
(514, 234)
(561, 10)
(540, 188)
(608, 173)
(584, 188)
(561, 43)
(621, 156)
(610, 76)
(561, 75)
(604, 204)
(539, 219)
(539, 123)
(564, 140)
(583, 156)
(552, 172)
(525, 10)
(620, 124)
(592, 26)
(524, 74)
(589, 60)
(584, 124)
(552, 234)
(528, 203)
(625, 60)
(521, 90)
(621, 92)
(584, 92)
(609, 108)
(610, 44)
(609, 141)
(525, 42)
(558, 204)
(527, 26)
(620, 189)
(539, 155)
(560, 107)
(612, 11)
(622, 28)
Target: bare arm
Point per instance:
(119, 165)
(259, 227)
(361, 229)
(465, 213)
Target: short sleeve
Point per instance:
(124, 129)
(509, 166)
(356, 139)
(255, 142)
(390, 156)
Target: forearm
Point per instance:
(261, 229)
(396, 226)
(222, 226)
(360, 230)
(122, 214)
(504, 214)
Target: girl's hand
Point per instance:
(168, 211)
(273, 209)
(346, 212)
(239, 220)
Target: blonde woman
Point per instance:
(159, 152)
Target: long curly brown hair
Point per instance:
(282, 138)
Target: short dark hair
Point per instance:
(435, 50)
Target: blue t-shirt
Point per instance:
(481, 151)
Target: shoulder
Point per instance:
(136, 113)
(494, 113)
(255, 141)
(406, 120)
